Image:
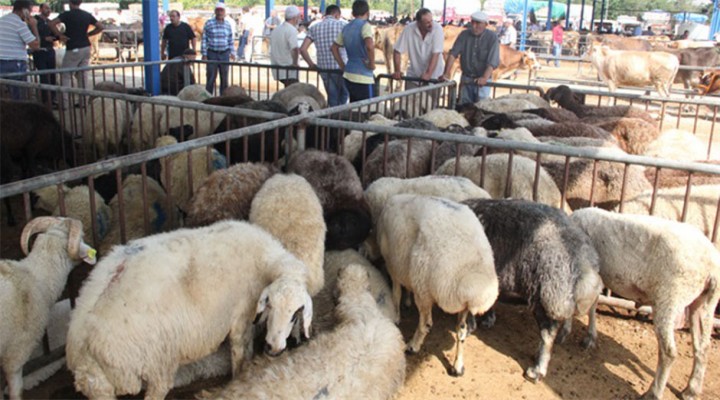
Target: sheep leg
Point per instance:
(397, 297)
(564, 331)
(590, 341)
(458, 368)
(701, 317)
(548, 331)
(664, 323)
(424, 325)
(13, 376)
(239, 349)
(158, 389)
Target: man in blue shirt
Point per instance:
(358, 39)
(217, 45)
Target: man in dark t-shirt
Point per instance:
(44, 58)
(76, 39)
(176, 37)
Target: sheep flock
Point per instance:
(315, 273)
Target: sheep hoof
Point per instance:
(689, 394)
(589, 343)
(488, 319)
(411, 350)
(456, 373)
(533, 375)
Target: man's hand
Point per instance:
(64, 38)
(481, 81)
(49, 38)
(426, 76)
(232, 56)
(163, 57)
(443, 78)
(397, 75)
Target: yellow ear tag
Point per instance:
(91, 253)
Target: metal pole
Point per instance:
(582, 15)
(444, 8)
(151, 26)
(567, 16)
(395, 8)
(602, 13)
(548, 22)
(523, 30)
(715, 22)
(269, 5)
(305, 10)
(322, 7)
(592, 18)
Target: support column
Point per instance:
(523, 30)
(715, 21)
(151, 28)
(548, 23)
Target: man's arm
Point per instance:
(193, 43)
(32, 25)
(335, 50)
(53, 28)
(98, 28)
(205, 42)
(370, 47)
(431, 67)
(449, 61)
(163, 45)
(304, 52)
(397, 61)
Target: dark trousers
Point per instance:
(11, 67)
(45, 60)
(360, 91)
(241, 44)
(212, 70)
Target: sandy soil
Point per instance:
(621, 367)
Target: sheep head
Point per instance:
(281, 305)
(76, 247)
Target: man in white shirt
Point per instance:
(423, 40)
(284, 47)
(509, 34)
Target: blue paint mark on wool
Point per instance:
(159, 221)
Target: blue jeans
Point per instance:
(241, 44)
(212, 70)
(557, 52)
(337, 93)
(14, 66)
(472, 93)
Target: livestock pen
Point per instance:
(338, 122)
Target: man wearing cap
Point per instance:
(357, 37)
(323, 34)
(509, 34)
(284, 47)
(479, 52)
(423, 40)
(217, 45)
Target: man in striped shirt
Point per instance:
(323, 34)
(217, 45)
(17, 30)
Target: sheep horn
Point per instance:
(74, 237)
(37, 225)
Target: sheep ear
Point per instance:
(262, 305)
(307, 315)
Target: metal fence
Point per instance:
(327, 129)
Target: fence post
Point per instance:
(151, 26)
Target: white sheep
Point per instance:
(668, 265)
(106, 122)
(353, 141)
(287, 207)
(361, 358)
(172, 298)
(442, 118)
(669, 203)
(145, 127)
(299, 92)
(159, 213)
(437, 249)
(204, 123)
(678, 145)
(30, 287)
(538, 101)
(195, 93)
(177, 185)
(505, 106)
(77, 205)
(323, 303)
(493, 178)
(395, 161)
(455, 188)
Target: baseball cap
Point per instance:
(291, 12)
(220, 4)
(479, 16)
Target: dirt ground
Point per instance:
(621, 367)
